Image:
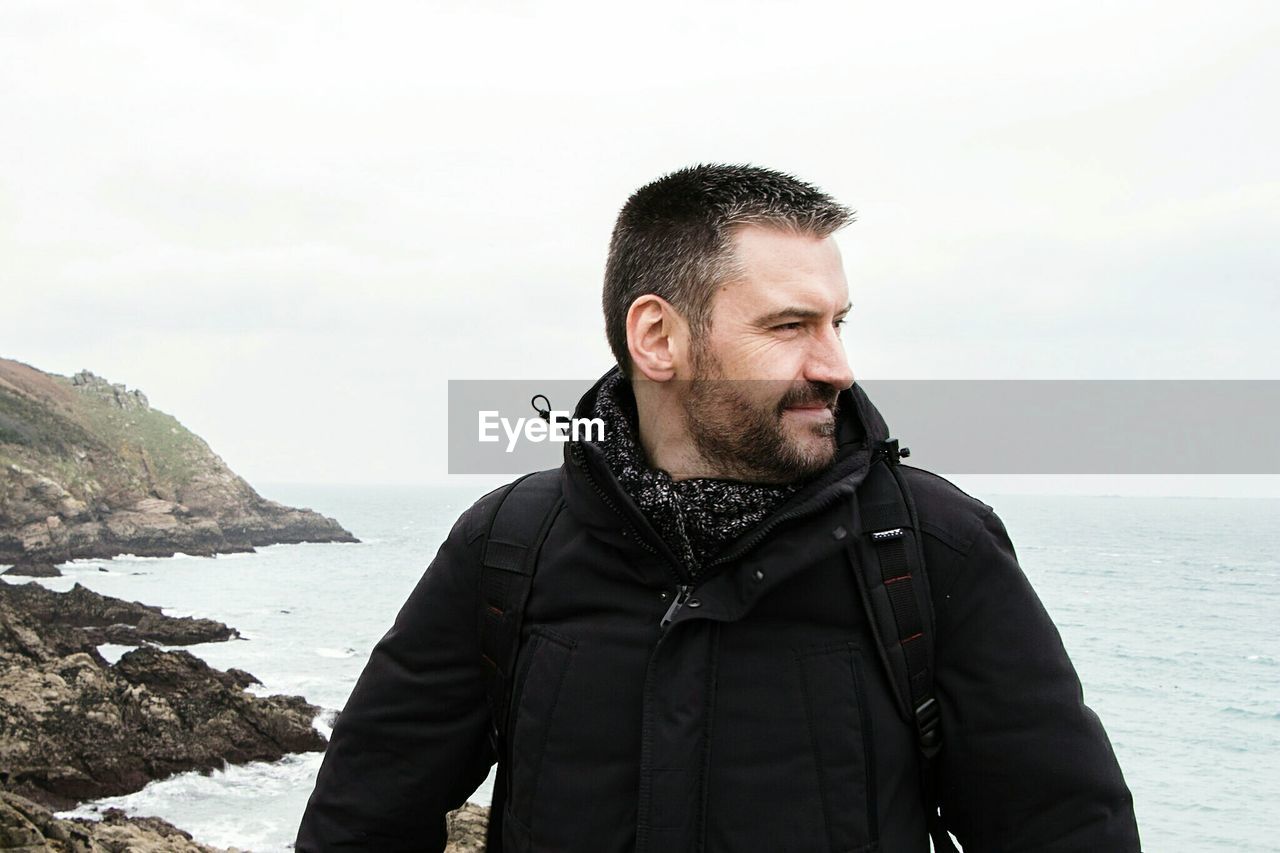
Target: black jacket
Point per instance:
(759, 720)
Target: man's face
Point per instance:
(761, 405)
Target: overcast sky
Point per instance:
(290, 224)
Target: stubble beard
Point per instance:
(746, 440)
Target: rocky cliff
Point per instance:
(89, 469)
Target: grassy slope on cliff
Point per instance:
(79, 450)
(84, 438)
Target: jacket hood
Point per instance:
(589, 480)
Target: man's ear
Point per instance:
(656, 337)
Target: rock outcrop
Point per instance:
(89, 469)
(33, 570)
(81, 619)
(73, 727)
(28, 827)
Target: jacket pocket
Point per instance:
(840, 733)
(544, 661)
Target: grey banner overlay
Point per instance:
(1045, 427)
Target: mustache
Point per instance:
(810, 394)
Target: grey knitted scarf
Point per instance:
(695, 517)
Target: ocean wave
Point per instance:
(220, 808)
(1236, 711)
(323, 723)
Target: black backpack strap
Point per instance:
(890, 568)
(517, 530)
(509, 561)
(895, 590)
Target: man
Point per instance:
(698, 671)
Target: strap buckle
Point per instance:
(495, 738)
(928, 727)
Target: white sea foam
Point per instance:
(113, 652)
(323, 723)
(252, 806)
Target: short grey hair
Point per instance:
(673, 237)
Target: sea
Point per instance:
(1168, 606)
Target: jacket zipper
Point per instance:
(684, 581)
(683, 591)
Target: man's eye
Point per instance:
(787, 327)
(839, 324)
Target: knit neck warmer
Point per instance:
(696, 517)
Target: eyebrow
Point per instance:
(797, 313)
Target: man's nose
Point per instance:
(828, 362)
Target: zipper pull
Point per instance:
(682, 595)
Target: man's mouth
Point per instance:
(814, 401)
(812, 410)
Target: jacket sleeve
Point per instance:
(412, 742)
(1025, 765)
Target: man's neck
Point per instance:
(663, 436)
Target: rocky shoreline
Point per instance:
(47, 525)
(28, 827)
(44, 523)
(75, 727)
